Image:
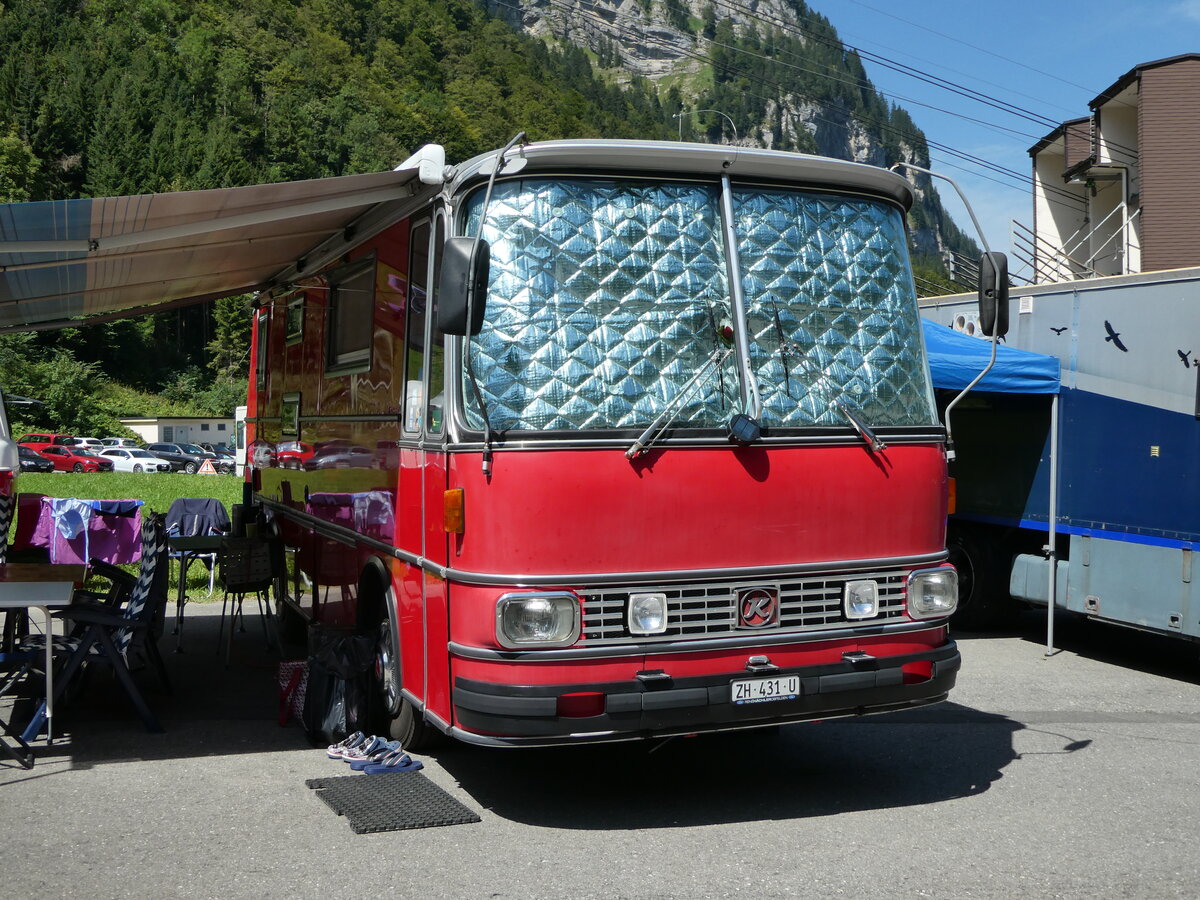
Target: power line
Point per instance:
(910, 71)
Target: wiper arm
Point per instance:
(661, 421)
(864, 430)
(786, 348)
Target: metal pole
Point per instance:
(1052, 554)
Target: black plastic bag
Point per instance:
(339, 684)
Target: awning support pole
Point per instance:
(1051, 539)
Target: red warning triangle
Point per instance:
(206, 468)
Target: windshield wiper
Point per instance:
(786, 348)
(647, 437)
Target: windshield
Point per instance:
(142, 454)
(608, 297)
(192, 448)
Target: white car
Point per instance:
(124, 443)
(133, 459)
(88, 443)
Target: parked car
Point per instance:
(338, 454)
(32, 461)
(293, 454)
(223, 464)
(128, 443)
(73, 459)
(39, 440)
(134, 460)
(180, 459)
(90, 443)
(219, 449)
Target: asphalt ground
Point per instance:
(1073, 776)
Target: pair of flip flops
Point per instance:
(394, 762)
(352, 744)
(372, 754)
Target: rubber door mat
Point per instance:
(390, 802)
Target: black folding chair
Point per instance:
(246, 566)
(117, 636)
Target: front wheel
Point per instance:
(983, 600)
(403, 721)
(190, 468)
(137, 467)
(78, 467)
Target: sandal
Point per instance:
(335, 751)
(397, 761)
(369, 746)
(383, 750)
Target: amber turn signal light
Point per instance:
(452, 511)
(951, 496)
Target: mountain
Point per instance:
(110, 97)
(772, 73)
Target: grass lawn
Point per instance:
(156, 491)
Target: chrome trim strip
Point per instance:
(847, 438)
(594, 579)
(365, 417)
(751, 399)
(700, 645)
(519, 580)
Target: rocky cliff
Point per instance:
(775, 70)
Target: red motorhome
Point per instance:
(624, 439)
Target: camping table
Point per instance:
(189, 548)
(38, 586)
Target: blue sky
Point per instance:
(1049, 58)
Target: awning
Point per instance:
(114, 257)
(956, 358)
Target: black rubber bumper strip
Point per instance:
(635, 705)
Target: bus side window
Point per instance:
(414, 330)
(436, 398)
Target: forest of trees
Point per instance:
(112, 97)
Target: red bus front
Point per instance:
(685, 475)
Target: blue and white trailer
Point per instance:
(1091, 493)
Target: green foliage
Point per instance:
(66, 388)
(111, 97)
(18, 168)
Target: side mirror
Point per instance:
(993, 294)
(462, 286)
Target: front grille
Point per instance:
(807, 604)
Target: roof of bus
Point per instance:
(678, 158)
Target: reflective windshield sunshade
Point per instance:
(831, 312)
(608, 304)
(606, 297)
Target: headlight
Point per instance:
(861, 599)
(932, 593)
(543, 620)
(647, 613)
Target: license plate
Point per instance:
(764, 690)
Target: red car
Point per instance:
(293, 454)
(72, 459)
(38, 440)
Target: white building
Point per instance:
(182, 429)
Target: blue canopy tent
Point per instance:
(954, 361)
(956, 358)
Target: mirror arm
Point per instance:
(995, 337)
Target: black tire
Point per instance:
(78, 467)
(982, 564)
(190, 468)
(403, 721)
(137, 467)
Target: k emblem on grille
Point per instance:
(758, 607)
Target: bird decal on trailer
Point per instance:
(1114, 336)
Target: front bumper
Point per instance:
(527, 715)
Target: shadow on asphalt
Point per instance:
(213, 709)
(911, 758)
(1116, 645)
